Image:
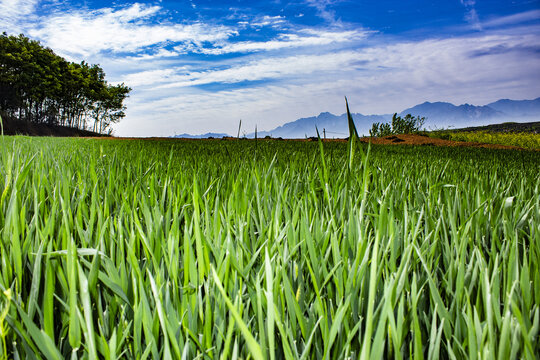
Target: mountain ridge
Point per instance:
(201, 136)
(438, 115)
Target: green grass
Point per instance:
(529, 141)
(140, 249)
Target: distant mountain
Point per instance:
(438, 115)
(517, 108)
(335, 126)
(202, 136)
(445, 114)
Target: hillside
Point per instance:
(510, 127)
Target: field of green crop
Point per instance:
(523, 140)
(231, 249)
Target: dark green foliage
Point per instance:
(406, 125)
(39, 86)
(352, 127)
(379, 129)
(506, 127)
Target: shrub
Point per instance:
(381, 129)
(406, 125)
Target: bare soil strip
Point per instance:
(409, 139)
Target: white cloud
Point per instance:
(266, 20)
(158, 54)
(83, 33)
(471, 16)
(323, 11)
(304, 38)
(265, 69)
(513, 19)
(149, 77)
(376, 79)
(11, 12)
(425, 62)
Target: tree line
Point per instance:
(36, 85)
(399, 125)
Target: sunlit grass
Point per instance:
(234, 249)
(522, 140)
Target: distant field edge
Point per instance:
(508, 127)
(26, 128)
(401, 139)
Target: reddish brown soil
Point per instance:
(410, 139)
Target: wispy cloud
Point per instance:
(532, 15)
(265, 69)
(471, 16)
(324, 10)
(267, 20)
(83, 33)
(377, 79)
(149, 77)
(11, 12)
(302, 38)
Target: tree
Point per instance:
(109, 107)
(407, 125)
(39, 86)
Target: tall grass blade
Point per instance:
(252, 344)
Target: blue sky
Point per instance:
(198, 66)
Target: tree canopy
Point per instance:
(39, 86)
(406, 125)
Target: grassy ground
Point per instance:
(241, 249)
(525, 140)
(529, 141)
(506, 127)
